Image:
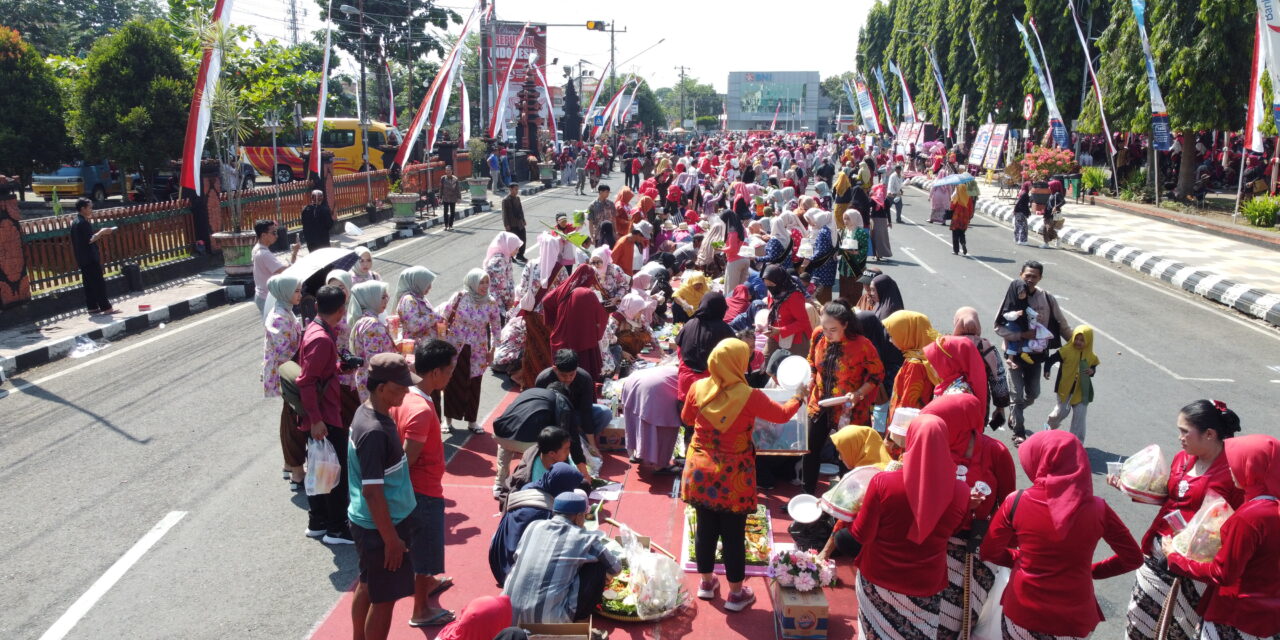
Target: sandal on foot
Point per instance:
(441, 617)
(475, 428)
(442, 585)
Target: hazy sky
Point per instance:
(711, 38)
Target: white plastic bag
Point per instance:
(988, 624)
(351, 229)
(593, 463)
(323, 468)
(844, 500)
(655, 579)
(1202, 538)
(1144, 477)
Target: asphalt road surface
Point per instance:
(142, 484)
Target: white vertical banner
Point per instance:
(1270, 14)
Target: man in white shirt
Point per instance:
(265, 262)
(894, 189)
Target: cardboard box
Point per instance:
(799, 615)
(562, 631)
(612, 438)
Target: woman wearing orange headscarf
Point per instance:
(623, 212)
(899, 538)
(961, 216)
(913, 387)
(719, 478)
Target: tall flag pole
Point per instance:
(619, 117)
(200, 115)
(595, 95)
(908, 105)
(1044, 58)
(974, 44)
(1060, 136)
(1097, 90)
(424, 110)
(500, 103)
(884, 102)
(608, 110)
(1257, 110)
(316, 163)
(546, 95)
(774, 124)
(1161, 138)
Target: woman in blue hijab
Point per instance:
(524, 507)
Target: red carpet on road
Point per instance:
(646, 505)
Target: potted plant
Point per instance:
(228, 126)
(402, 204)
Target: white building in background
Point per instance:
(796, 96)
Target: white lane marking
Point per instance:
(99, 588)
(1178, 294)
(1100, 332)
(234, 308)
(919, 261)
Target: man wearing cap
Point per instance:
(599, 211)
(382, 499)
(560, 569)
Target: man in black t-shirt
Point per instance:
(84, 242)
(581, 391)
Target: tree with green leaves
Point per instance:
(32, 132)
(133, 98)
(407, 32)
(1003, 63)
(70, 27)
(571, 122)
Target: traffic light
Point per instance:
(597, 25)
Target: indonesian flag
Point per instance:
(500, 104)
(465, 108)
(202, 104)
(546, 96)
(448, 67)
(609, 110)
(315, 164)
(774, 124)
(595, 95)
(1257, 111)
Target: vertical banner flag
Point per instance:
(464, 110)
(391, 91)
(1270, 16)
(974, 44)
(1059, 129)
(884, 102)
(1097, 89)
(447, 66)
(202, 103)
(595, 95)
(909, 113)
(960, 126)
(316, 147)
(724, 114)
(607, 116)
(500, 102)
(546, 95)
(1161, 138)
(867, 107)
(942, 91)
(1257, 112)
(774, 124)
(1048, 76)
(620, 117)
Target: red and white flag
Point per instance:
(425, 112)
(464, 130)
(500, 103)
(314, 165)
(202, 104)
(546, 97)
(1257, 110)
(774, 124)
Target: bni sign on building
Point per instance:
(796, 97)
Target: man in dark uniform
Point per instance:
(84, 242)
(317, 222)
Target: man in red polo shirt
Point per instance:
(433, 360)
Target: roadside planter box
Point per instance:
(402, 205)
(799, 615)
(479, 190)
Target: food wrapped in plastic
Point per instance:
(1202, 538)
(844, 500)
(648, 588)
(782, 438)
(323, 468)
(1145, 476)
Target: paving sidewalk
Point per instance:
(25, 346)
(1237, 274)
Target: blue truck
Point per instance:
(79, 178)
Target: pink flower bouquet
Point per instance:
(801, 570)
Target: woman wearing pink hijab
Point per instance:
(939, 200)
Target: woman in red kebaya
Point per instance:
(985, 465)
(1203, 426)
(1245, 603)
(899, 538)
(1047, 534)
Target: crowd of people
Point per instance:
(757, 249)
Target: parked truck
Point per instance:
(79, 178)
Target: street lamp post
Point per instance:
(272, 124)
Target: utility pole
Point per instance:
(682, 69)
(293, 21)
(613, 72)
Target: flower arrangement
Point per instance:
(801, 570)
(1044, 162)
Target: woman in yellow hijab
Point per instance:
(860, 446)
(1076, 365)
(719, 478)
(688, 296)
(913, 387)
(841, 197)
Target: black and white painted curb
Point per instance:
(1197, 280)
(46, 352)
